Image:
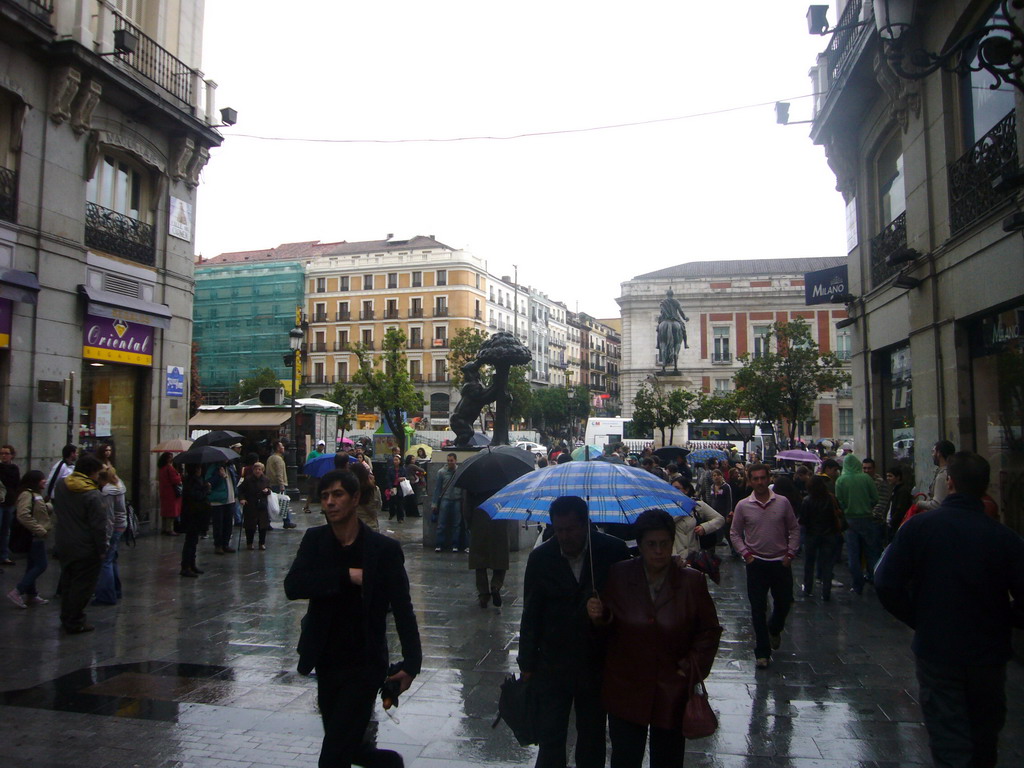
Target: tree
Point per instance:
(681, 403)
(345, 397)
(652, 410)
(387, 386)
(727, 406)
(462, 347)
(260, 378)
(195, 389)
(783, 385)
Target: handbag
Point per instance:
(406, 487)
(517, 707)
(273, 505)
(699, 719)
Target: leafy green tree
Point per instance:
(681, 403)
(462, 347)
(724, 406)
(521, 391)
(250, 387)
(652, 410)
(386, 383)
(783, 385)
(345, 397)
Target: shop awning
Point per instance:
(255, 419)
(114, 305)
(18, 286)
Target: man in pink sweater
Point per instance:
(766, 533)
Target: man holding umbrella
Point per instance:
(556, 647)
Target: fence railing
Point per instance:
(119, 235)
(971, 194)
(156, 63)
(883, 245)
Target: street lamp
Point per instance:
(295, 336)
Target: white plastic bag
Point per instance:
(273, 507)
(406, 487)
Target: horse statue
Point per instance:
(671, 332)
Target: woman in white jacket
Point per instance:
(689, 528)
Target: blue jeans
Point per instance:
(863, 537)
(34, 568)
(450, 532)
(108, 586)
(5, 528)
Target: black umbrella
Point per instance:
(205, 454)
(672, 453)
(493, 469)
(479, 440)
(610, 459)
(223, 437)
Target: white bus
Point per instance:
(744, 435)
(609, 430)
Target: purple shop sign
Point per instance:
(114, 340)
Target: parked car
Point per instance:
(535, 448)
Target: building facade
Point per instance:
(729, 307)
(926, 166)
(106, 122)
(243, 313)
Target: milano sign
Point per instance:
(820, 286)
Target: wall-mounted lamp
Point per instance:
(842, 298)
(902, 255)
(846, 322)
(997, 48)
(1014, 222)
(228, 116)
(906, 282)
(125, 43)
(817, 21)
(782, 114)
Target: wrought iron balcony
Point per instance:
(119, 235)
(318, 346)
(342, 316)
(8, 194)
(492, 324)
(341, 346)
(440, 311)
(320, 317)
(157, 64)
(841, 46)
(367, 345)
(391, 314)
(439, 378)
(721, 358)
(417, 378)
(366, 314)
(416, 312)
(883, 245)
(41, 9)
(971, 195)
(415, 343)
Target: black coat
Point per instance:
(317, 576)
(555, 635)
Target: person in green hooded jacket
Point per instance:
(857, 495)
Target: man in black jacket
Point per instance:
(956, 577)
(556, 645)
(351, 576)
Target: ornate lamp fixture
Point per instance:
(997, 48)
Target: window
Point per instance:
(368, 337)
(492, 293)
(983, 105)
(442, 277)
(118, 186)
(761, 340)
(343, 311)
(416, 337)
(367, 282)
(343, 339)
(391, 309)
(321, 285)
(367, 313)
(843, 347)
(415, 371)
(417, 279)
(478, 281)
(318, 373)
(342, 369)
(722, 353)
(476, 314)
(892, 199)
(723, 385)
(441, 370)
(320, 313)
(343, 283)
(440, 332)
(392, 279)
(845, 422)
(441, 306)
(416, 308)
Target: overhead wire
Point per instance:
(513, 137)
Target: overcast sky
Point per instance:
(578, 212)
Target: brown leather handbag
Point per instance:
(699, 719)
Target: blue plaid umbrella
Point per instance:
(615, 493)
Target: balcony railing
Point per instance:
(843, 354)
(320, 317)
(156, 63)
(883, 245)
(492, 324)
(119, 235)
(971, 195)
(596, 387)
(417, 378)
(840, 47)
(318, 346)
(439, 378)
(391, 314)
(416, 312)
(341, 346)
(342, 316)
(844, 392)
(440, 311)
(415, 343)
(8, 194)
(721, 358)
(367, 345)
(42, 9)
(366, 315)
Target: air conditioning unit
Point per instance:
(271, 396)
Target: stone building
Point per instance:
(729, 306)
(929, 167)
(106, 122)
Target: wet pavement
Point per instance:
(201, 672)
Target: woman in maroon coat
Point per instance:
(170, 493)
(658, 616)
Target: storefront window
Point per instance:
(897, 406)
(998, 371)
(110, 393)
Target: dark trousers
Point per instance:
(188, 550)
(556, 696)
(6, 520)
(345, 698)
(764, 576)
(863, 548)
(78, 582)
(964, 710)
(396, 507)
(222, 520)
(34, 567)
(820, 550)
(629, 740)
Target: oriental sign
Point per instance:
(117, 341)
